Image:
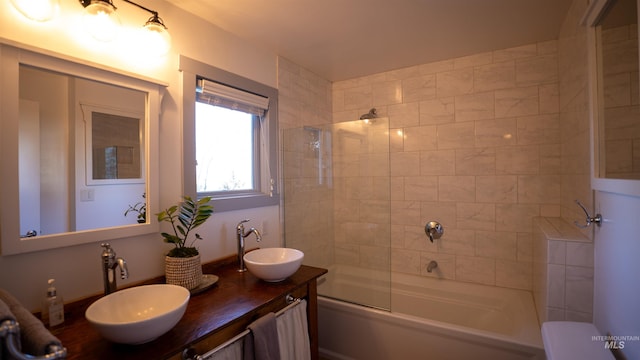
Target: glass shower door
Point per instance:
(337, 206)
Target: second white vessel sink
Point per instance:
(273, 264)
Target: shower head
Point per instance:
(372, 114)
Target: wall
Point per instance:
(77, 268)
(475, 144)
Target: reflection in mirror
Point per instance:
(115, 146)
(619, 128)
(81, 153)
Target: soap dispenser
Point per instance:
(52, 307)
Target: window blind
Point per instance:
(213, 93)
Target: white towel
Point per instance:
(229, 352)
(293, 333)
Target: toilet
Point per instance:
(570, 340)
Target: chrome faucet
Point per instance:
(109, 264)
(432, 265)
(241, 234)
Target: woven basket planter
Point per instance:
(185, 272)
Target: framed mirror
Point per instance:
(78, 150)
(615, 95)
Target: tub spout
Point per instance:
(432, 265)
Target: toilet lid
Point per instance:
(569, 340)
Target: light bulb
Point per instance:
(156, 38)
(38, 10)
(101, 20)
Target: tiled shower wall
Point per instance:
(482, 144)
(475, 144)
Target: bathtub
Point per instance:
(430, 319)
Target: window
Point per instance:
(225, 148)
(230, 137)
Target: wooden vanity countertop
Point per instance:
(234, 296)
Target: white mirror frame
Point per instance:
(591, 18)
(10, 59)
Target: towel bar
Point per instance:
(187, 354)
(10, 334)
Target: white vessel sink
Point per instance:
(139, 314)
(273, 264)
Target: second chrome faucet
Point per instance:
(241, 234)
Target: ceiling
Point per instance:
(343, 39)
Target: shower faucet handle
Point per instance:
(434, 230)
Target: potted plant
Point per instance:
(140, 208)
(182, 263)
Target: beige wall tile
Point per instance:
(474, 107)
(446, 268)
(517, 52)
(515, 217)
(443, 212)
(473, 60)
(357, 98)
(375, 257)
(517, 102)
(579, 289)
(475, 269)
(457, 188)
(476, 161)
(496, 132)
(437, 111)
(436, 67)
(538, 70)
(517, 160)
(405, 212)
(514, 274)
(549, 99)
(550, 159)
(497, 245)
(539, 129)
(403, 115)
(456, 82)
(476, 216)
(438, 162)
(405, 163)
(539, 189)
(456, 136)
(421, 188)
(387, 93)
(498, 75)
(456, 242)
(497, 189)
(415, 239)
(419, 88)
(524, 246)
(405, 261)
(418, 138)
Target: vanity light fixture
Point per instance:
(102, 22)
(100, 19)
(38, 10)
(156, 35)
